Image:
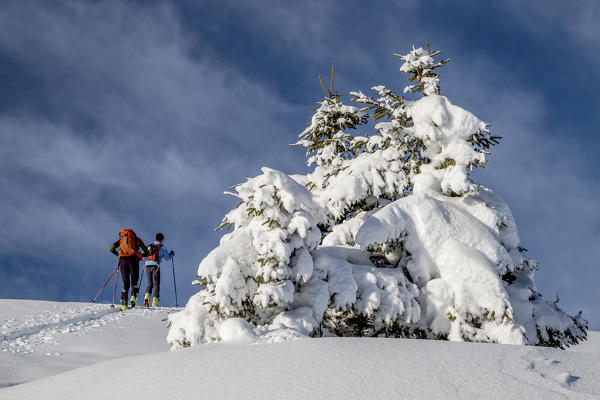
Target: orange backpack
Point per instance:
(128, 244)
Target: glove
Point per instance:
(171, 253)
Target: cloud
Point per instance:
(578, 20)
(127, 128)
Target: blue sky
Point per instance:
(191, 97)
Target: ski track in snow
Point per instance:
(23, 336)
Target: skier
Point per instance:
(129, 263)
(157, 252)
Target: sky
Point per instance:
(141, 114)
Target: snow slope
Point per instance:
(43, 339)
(40, 338)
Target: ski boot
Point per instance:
(133, 299)
(123, 301)
(155, 302)
(147, 300)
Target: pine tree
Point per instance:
(419, 64)
(439, 252)
(256, 269)
(368, 167)
(370, 176)
(326, 140)
(329, 147)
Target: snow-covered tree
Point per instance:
(264, 273)
(254, 271)
(330, 146)
(358, 174)
(411, 245)
(420, 64)
(326, 138)
(458, 240)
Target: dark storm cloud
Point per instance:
(193, 98)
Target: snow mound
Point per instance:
(236, 330)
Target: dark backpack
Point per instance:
(153, 250)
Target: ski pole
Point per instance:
(105, 283)
(115, 293)
(174, 283)
(141, 277)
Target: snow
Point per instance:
(40, 338)
(446, 129)
(236, 330)
(367, 175)
(460, 247)
(353, 282)
(417, 58)
(124, 355)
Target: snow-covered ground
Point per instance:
(41, 338)
(89, 351)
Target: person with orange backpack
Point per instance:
(157, 252)
(129, 263)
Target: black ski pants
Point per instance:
(130, 273)
(153, 278)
